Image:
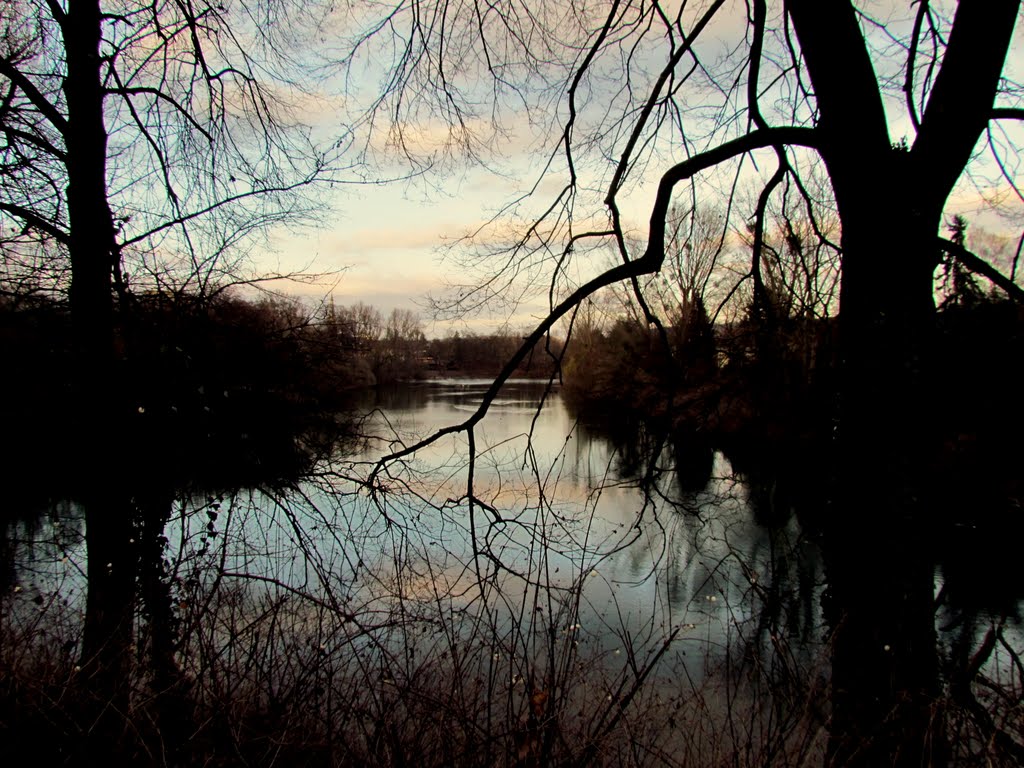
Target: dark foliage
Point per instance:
(215, 393)
(484, 355)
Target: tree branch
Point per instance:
(908, 82)
(1007, 113)
(756, 50)
(960, 104)
(981, 267)
(627, 153)
(852, 115)
(186, 217)
(57, 12)
(769, 137)
(159, 94)
(616, 274)
(39, 142)
(40, 102)
(35, 221)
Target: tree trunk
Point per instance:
(92, 239)
(881, 574)
(890, 199)
(106, 657)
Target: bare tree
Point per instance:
(143, 145)
(655, 102)
(695, 244)
(360, 326)
(397, 353)
(174, 129)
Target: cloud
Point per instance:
(398, 238)
(997, 207)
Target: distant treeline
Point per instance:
(394, 347)
(206, 366)
(193, 370)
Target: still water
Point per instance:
(563, 520)
(537, 584)
(628, 544)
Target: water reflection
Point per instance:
(659, 530)
(665, 521)
(619, 546)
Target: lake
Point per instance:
(587, 564)
(561, 506)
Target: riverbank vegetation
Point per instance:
(790, 371)
(774, 371)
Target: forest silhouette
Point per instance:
(803, 302)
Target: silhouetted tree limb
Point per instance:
(34, 220)
(758, 139)
(960, 103)
(908, 83)
(979, 266)
(1007, 113)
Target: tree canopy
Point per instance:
(717, 104)
(871, 123)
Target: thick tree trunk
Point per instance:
(92, 240)
(107, 640)
(890, 200)
(886, 334)
(885, 671)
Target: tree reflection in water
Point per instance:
(614, 596)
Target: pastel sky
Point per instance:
(391, 244)
(387, 243)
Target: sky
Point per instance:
(385, 245)
(389, 245)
